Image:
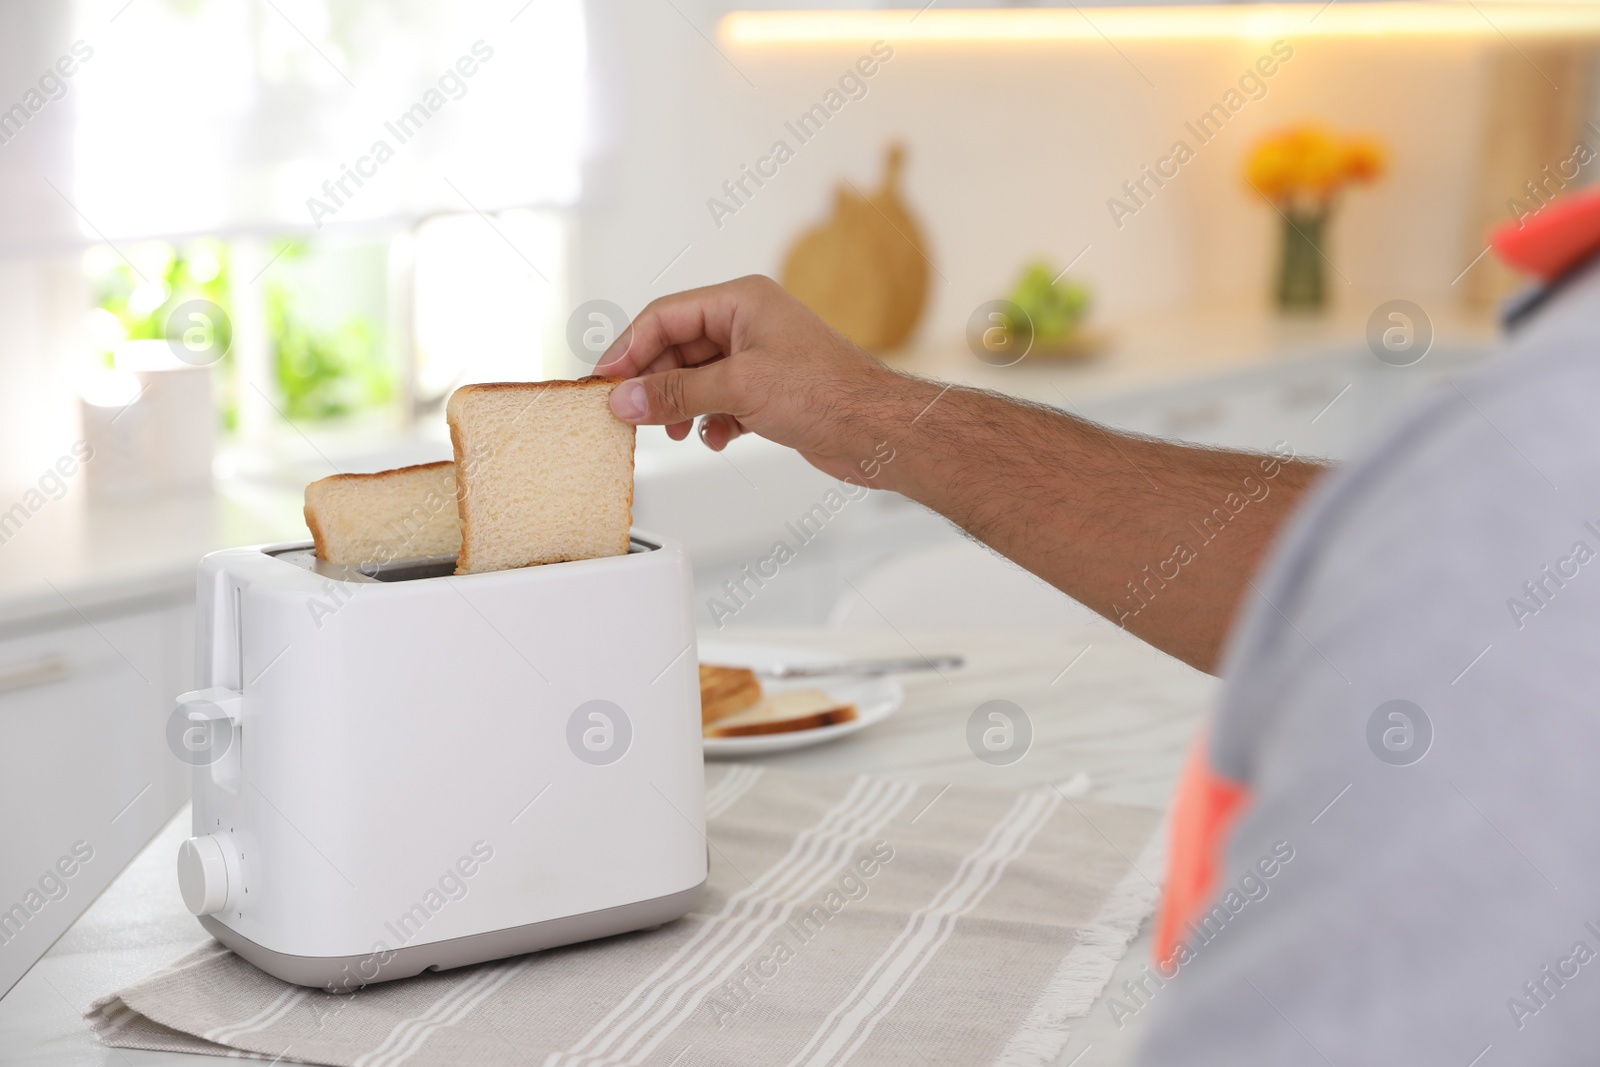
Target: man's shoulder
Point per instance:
(1426, 539)
(1411, 701)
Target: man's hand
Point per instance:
(1161, 538)
(751, 358)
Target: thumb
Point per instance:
(675, 395)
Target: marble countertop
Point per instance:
(1102, 704)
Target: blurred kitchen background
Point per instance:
(245, 244)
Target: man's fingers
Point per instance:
(672, 322)
(674, 396)
(718, 430)
(685, 355)
(699, 323)
(700, 350)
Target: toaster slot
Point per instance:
(409, 570)
(304, 556)
(400, 570)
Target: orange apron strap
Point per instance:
(1554, 237)
(1203, 815)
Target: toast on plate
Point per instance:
(726, 691)
(797, 709)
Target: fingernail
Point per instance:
(628, 400)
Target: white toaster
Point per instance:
(397, 769)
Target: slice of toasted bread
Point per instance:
(544, 473)
(726, 691)
(408, 513)
(798, 709)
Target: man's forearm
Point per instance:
(1160, 538)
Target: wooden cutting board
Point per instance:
(865, 269)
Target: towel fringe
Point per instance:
(1089, 964)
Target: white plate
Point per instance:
(875, 698)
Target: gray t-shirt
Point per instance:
(1442, 903)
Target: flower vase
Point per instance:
(1300, 275)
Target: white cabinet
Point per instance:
(86, 777)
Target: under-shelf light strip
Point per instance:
(1431, 18)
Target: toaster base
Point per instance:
(346, 974)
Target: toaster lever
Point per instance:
(216, 702)
(211, 738)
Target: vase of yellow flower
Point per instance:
(1300, 275)
(1302, 172)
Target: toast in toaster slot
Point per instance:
(544, 473)
(375, 519)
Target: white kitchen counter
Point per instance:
(1165, 350)
(1123, 714)
(73, 555)
(98, 555)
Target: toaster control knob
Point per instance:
(202, 875)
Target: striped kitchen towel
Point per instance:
(847, 920)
